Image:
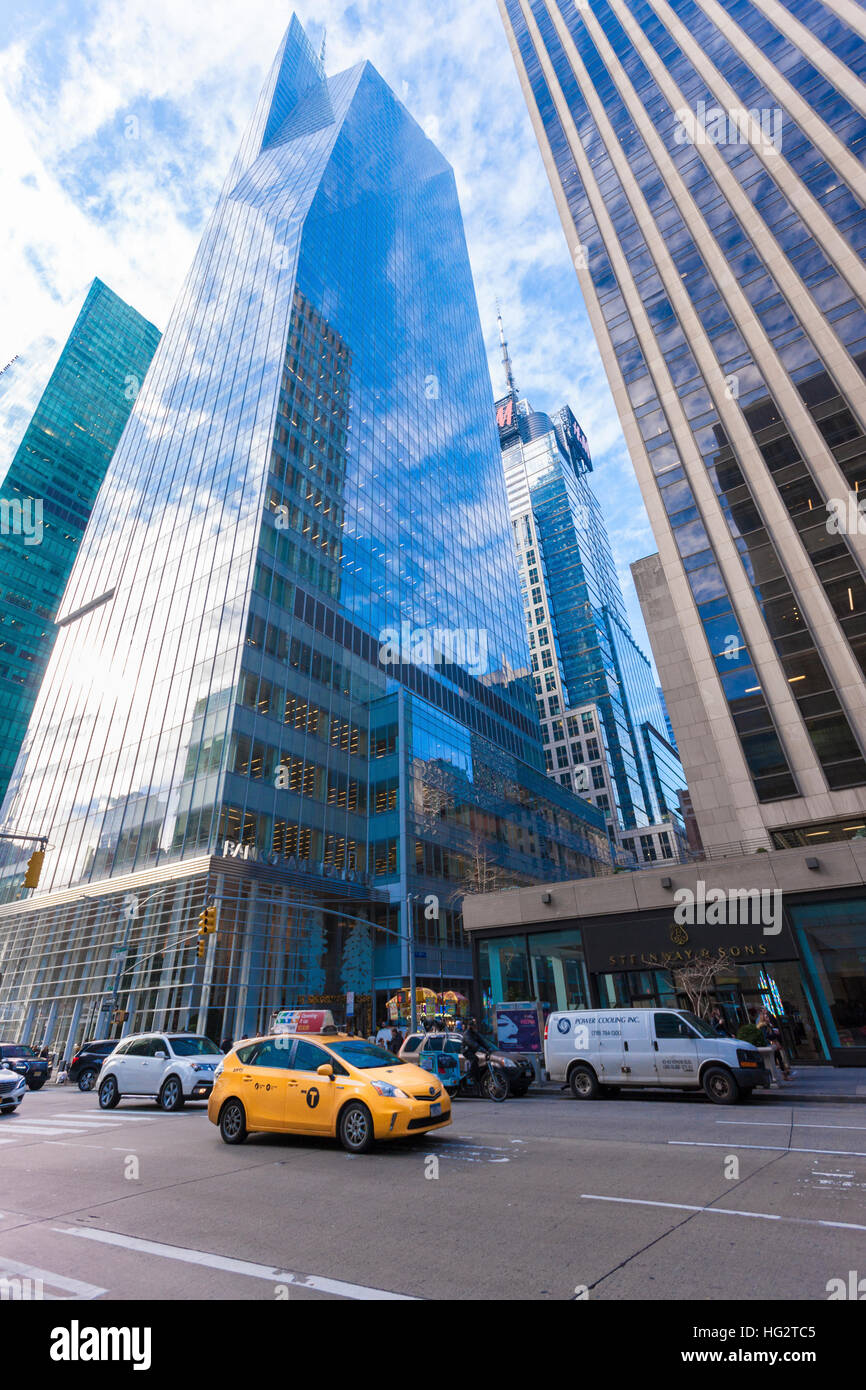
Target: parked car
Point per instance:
(12, 1088)
(418, 1046)
(87, 1063)
(26, 1062)
(171, 1067)
(597, 1051)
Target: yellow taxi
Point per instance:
(324, 1084)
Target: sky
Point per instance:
(119, 119)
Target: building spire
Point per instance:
(506, 360)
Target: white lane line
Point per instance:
(54, 1281)
(725, 1211)
(779, 1148)
(118, 1117)
(232, 1266)
(784, 1124)
(23, 1127)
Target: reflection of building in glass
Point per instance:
(50, 487)
(310, 466)
(721, 259)
(602, 721)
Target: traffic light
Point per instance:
(207, 923)
(34, 868)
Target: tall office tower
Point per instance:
(289, 671)
(602, 721)
(50, 487)
(706, 161)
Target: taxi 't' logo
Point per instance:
(312, 1097)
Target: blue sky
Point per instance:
(118, 120)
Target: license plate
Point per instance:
(436, 1109)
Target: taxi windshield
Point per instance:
(365, 1055)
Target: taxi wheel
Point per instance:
(233, 1123)
(356, 1128)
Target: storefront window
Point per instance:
(558, 972)
(832, 940)
(504, 970)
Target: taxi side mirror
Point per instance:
(325, 1070)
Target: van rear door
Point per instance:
(676, 1050)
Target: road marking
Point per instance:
(785, 1124)
(119, 1117)
(77, 1287)
(231, 1266)
(725, 1211)
(25, 1128)
(780, 1148)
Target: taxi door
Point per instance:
(264, 1083)
(311, 1099)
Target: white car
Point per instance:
(12, 1088)
(172, 1067)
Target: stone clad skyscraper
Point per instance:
(311, 468)
(706, 161)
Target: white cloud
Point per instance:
(82, 199)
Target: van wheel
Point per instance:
(584, 1083)
(720, 1086)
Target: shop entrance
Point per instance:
(740, 993)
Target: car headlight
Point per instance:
(201, 1066)
(218, 1070)
(384, 1088)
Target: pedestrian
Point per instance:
(396, 1040)
(385, 1033)
(718, 1024)
(227, 1044)
(769, 1025)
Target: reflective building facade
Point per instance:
(602, 721)
(51, 485)
(706, 161)
(292, 670)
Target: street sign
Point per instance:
(350, 1004)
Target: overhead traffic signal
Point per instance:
(207, 923)
(34, 868)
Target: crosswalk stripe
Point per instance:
(227, 1263)
(16, 1129)
(77, 1287)
(119, 1117)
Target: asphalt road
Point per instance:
(647, 1197)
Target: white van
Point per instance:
(597, 1051)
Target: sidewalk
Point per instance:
(839, 1085)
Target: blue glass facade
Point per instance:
(50, 487)
(710, 174)
(582, 652)
(294, 626)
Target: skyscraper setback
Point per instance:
(50, 487)
(311, 465)
(706, 163)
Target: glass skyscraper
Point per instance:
(50, 487)
(602, 721)
(292, 668)
(707, 163)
